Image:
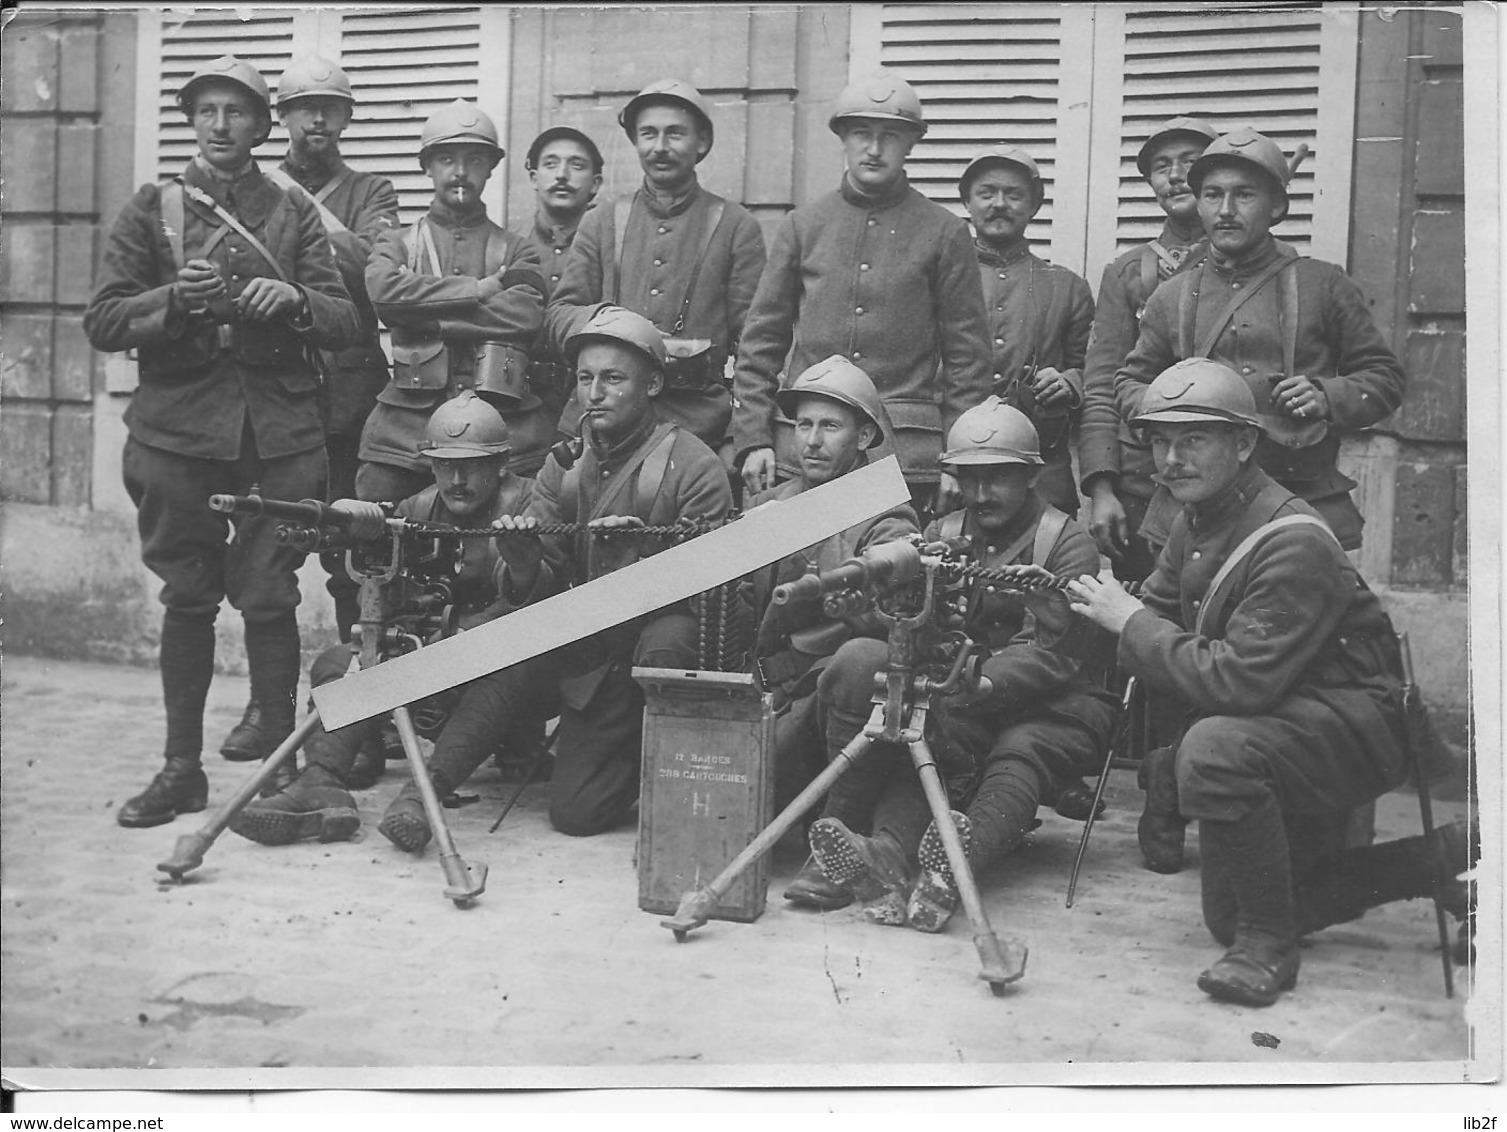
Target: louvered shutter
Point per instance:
(404, 63)
(989, 76)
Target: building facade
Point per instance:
(87, 114)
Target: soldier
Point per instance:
(466, 446)
(1039, 314)
(838, 418)
(1115, 467)
(315, 105)
(879, 274)
(1285, 663)
(565, 168)
(1298, 331)
(1043, 720)
(465, 300)
(222, 325)
(636, 470)
(674, 252)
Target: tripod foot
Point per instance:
(1003, 963)
(466, 881)
(188, 854)
(695, 908)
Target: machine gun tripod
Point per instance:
(906, 689)
(406, 599)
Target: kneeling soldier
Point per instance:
(1043, 721)
(1256, 621)
(636, 470)
(838, 418)
(467, 448)
(223, 283)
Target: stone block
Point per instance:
(1423, 526)
(772, 48)
(75, 278)
(26, 438)
(1440, 169)
(25, 356)
(26, 261)
(29, 62)
(72, 452)
(1437, 261)
(1460, 551)
(73, 360)
(28, 164)
(708, 47)
(75, 183)
(1443, 36)
(770, 178)
(78, 78)
(1433, 406)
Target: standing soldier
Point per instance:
(681, 256)
(223, 283)
(838, 418)
(315, 104)
(1115, 466)
(465, 300)
(1039, 314)
(636, 470)
(565, 168)
(1297, 330)
(879, 274)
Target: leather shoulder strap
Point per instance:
(1244, 551)
(1262, 278)
(198, 196)
(713, 219)
(1287, 313)
(332, 184)
(622, 208)
(1049, 530)
(1149, 278)
(331, 222)
(499, 244)
(651, 476)
(171, 203)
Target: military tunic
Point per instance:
(661, 245)
(589, 682)
(1039, 316)
(889, 282)
(1335, 343)
(219, 411)
(550, 378)
(1293, 678)
(437, 308)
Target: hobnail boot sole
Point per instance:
(407, 831)
(280, 827)
(935, 897)
(841, 863)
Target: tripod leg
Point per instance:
(696, 906)
(1426, 812)
(1093, 811)
(1005, 962)
(464, 881)
(188, 853)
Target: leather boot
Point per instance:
(1263, 960)
(405, 823)
(1162, 828)
(1075, 801)
(178, 788)
(936, 896)
(272, 655)
(316, 806)
(871, 868)
(370, 763)
(812, 889)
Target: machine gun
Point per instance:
(910, 585)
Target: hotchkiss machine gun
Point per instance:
(913, 587)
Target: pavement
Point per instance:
(344, 964)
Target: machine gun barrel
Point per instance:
(309, 512)
(879, 567)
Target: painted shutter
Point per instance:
(404, 63)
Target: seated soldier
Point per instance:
(1039, 723)
(1257, 622)
(838, 417)
(467, 448)
(635, 470)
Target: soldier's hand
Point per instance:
(1103, 601)
(199, 283)
(1051, 389)
(361, 519)
(949, 494)
(615, 523)
(1107, 520)
(518, 545)
(1299, 397)
(758, 470)
(265, 298)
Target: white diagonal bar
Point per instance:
(762, 536)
